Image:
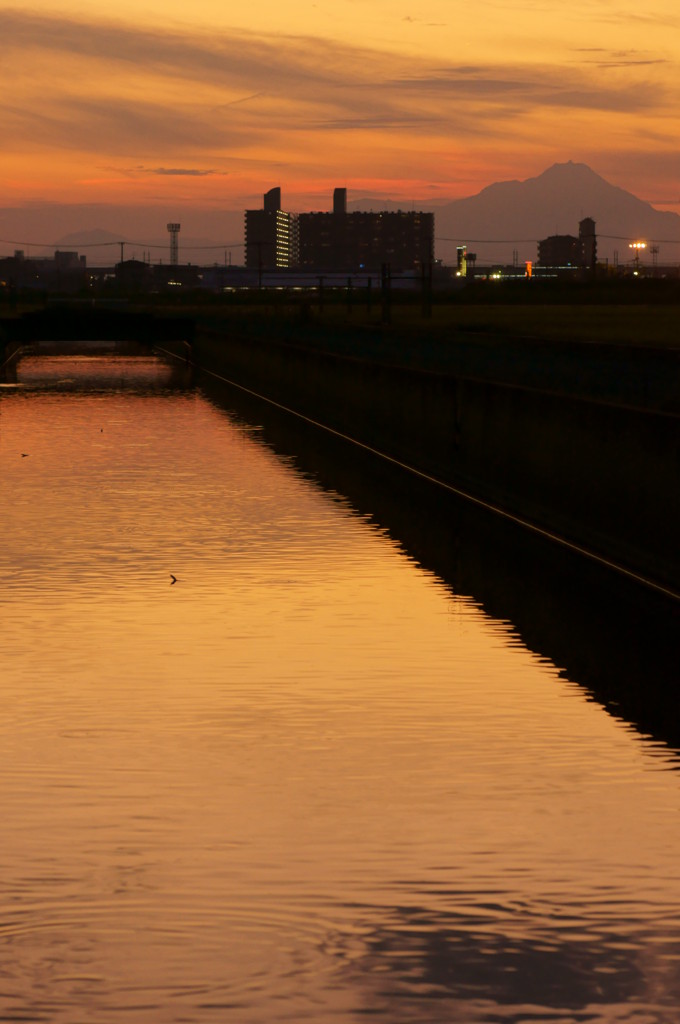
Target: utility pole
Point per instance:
(426, 289)
(386, 288)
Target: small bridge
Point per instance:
(67, 325)
(89, 330)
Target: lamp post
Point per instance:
(637, 248)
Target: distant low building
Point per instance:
(69, 261)
(133, 275)
(66, 273)
(569, 251)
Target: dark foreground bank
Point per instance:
(582, 440)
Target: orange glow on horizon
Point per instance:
(213, 108)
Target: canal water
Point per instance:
(313, 779)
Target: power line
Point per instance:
(626, 238)
(466, 495)
(99, 245)
(490, 241)
(241, 245)
(534, 241)
(53, 245)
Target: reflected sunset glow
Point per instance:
(306, 782)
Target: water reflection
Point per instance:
(420, 966)
(619, 641)
(316, 780)
(87, 373)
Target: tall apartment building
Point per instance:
(341, 241)
(588, 239)
(271, 235)
(568, 250)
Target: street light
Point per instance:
(637, 248)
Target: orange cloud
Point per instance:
(178, 113)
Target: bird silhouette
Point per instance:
(24, 455)
(173, 578)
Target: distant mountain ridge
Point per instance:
(95, 236)
(503, 219)
(102, 246)
(510, 216)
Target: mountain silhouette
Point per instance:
(511, 216)
(504, 218)
(95, 236)
(102, 246)
(553, 203)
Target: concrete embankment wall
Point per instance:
(601, 473)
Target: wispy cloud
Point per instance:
(181, 172)
(604, 58)
(535, 85)
(379, 124)
(221, 59)
(420, 21)
(183, 104)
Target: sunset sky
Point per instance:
(209, 104)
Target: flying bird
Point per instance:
(173, 578)
(24, 455)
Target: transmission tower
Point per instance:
(174, 244)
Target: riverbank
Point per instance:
(638, 326)
(579, 439)
(576, 434)
(643, 316)
(572, 357)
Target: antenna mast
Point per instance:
(174, 244)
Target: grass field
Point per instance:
(643, 326)
(653, 325)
